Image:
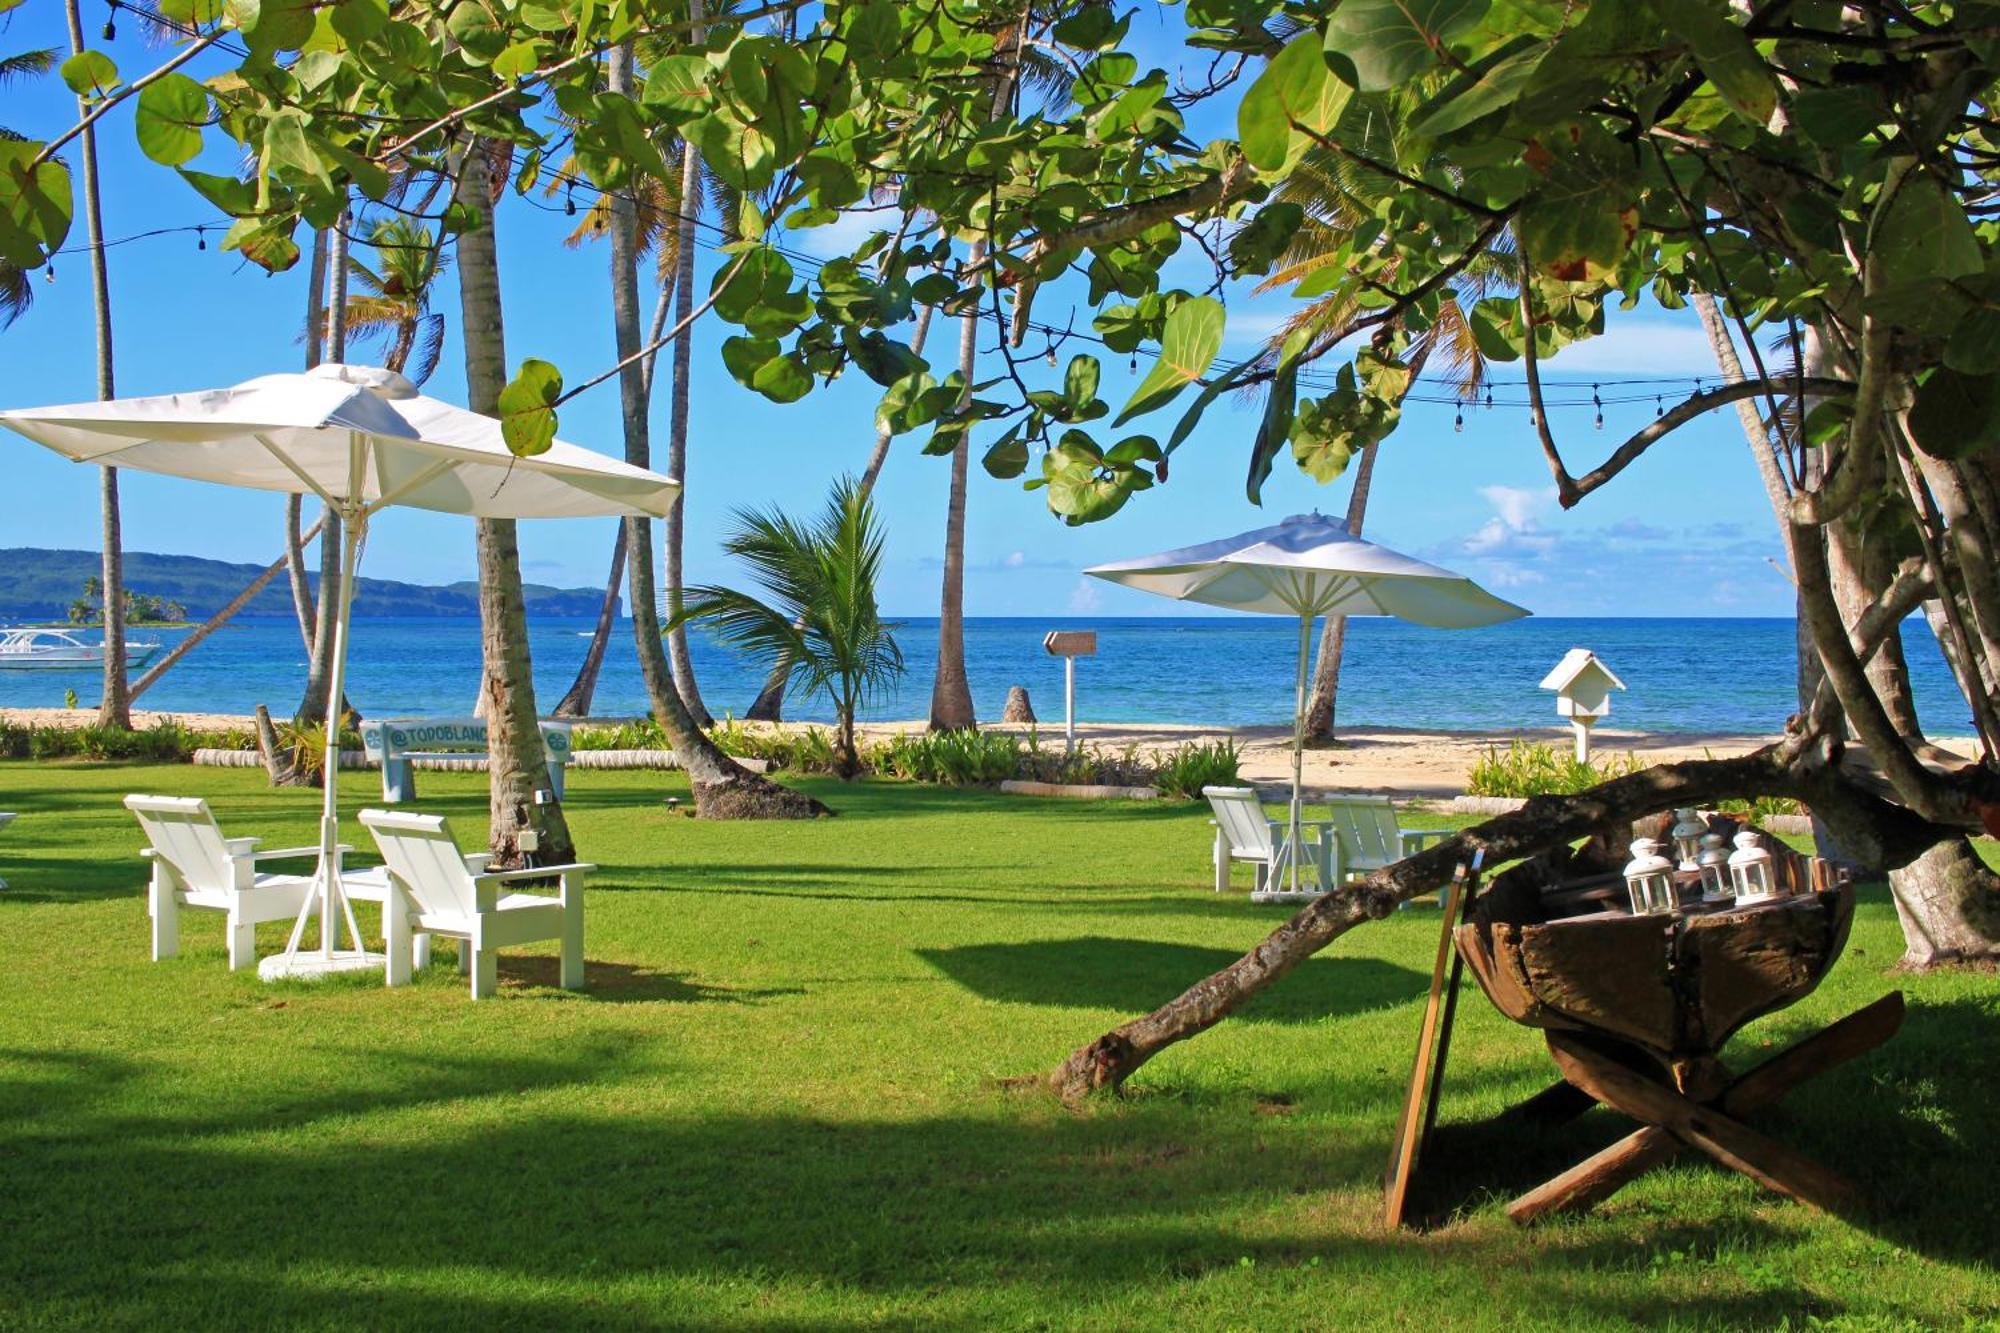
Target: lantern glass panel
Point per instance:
(1750, 870)
(1687, 833)
(1649, 880)
(1713, 863)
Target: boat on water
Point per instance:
(58, 650)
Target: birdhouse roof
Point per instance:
(1578, 663)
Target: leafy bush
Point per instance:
(954, 758)
(165, 742)
(1531, 768)
(641, 734)
(1757, 811)
(1197, 764)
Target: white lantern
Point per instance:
(1750, 870)
(1713, 863)
(1686, 833)
(1649, 879)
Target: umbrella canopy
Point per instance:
(1309, 566)
(296, 433)
(361, 439)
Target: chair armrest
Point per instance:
(476, 862)
(532, 872)
(1419, 836)
(240, 846)
(295, 853)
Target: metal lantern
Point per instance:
(1686, 833)
(1713, 864)
(1649, 879)
(1750, 870)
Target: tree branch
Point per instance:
(192, 50)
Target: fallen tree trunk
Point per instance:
(1882, 835)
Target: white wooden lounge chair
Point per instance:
(5, 820)
(1243, 832)
(195, 866)
(443, 891)
(1368, 837)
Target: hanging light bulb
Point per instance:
(111, 21)
(1489, 397)
(201, 238)
(1132, 366)
(569, 200)
(49, 273)
(1598, 403)
(1659, 406)
(1458, 418)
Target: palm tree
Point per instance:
(394, 297)
(821, 619)
(518, 763)
(1337, 196)
(17, 291)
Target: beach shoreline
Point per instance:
(1409, 762)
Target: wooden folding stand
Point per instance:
(1634, 1010)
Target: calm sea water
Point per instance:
(1683, 675)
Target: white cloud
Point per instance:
(1015, 559)
(842, 237)
(1085, 598)
(1518, 505)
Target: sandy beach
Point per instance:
(1393, 761)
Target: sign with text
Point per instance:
(1071, 643)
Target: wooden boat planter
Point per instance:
(1636, 1008)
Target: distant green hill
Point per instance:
(38, 584)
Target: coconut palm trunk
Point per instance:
(517, 765)
(1333, 639)
(115, 708)
(295, 559)
(723, 789)
(312, 708)
(951, 694)
(576, 703)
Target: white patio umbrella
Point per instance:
(1308, 566)
(361, 439)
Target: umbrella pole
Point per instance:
(1299, 748)
(334, 903)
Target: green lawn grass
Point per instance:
(782, 1103)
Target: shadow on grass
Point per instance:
(413, 1191)
(1910, 1124)
(1133, 976)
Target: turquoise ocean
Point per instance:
(1693, 675)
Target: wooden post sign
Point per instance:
(1070, 644)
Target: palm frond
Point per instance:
(27, 65)
(423, 362)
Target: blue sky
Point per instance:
(1685, 531)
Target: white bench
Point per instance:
(397, 742)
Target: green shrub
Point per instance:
(640, 734)
(954, 758)
(1757, 811)
(1531, 768)
(1197, 764)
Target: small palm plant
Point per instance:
(818, 618)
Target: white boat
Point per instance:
(59, 650)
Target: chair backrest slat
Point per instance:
(1366, 826)
(422, 853)
(184, 833)
(1241, 817)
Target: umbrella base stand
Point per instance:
(1287, 895)
(312, 964)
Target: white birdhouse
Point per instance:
(1583, 688)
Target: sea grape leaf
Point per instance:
(1188, 344)
(35, 205)
(1389, 42)
(1295, 93)
(90, 74)
(171, 113)
(528, 408)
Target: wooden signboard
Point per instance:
(1433, 1043)
(1071, 643)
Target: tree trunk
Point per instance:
(769, 705)
(1888, 835)
(517, 765)
(677, 426)
(319, 670)
(1949, 905)
(115, 708)
(723, 789)
(1333, 639)
(576, 703)
(951, 695)
(295, 557)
